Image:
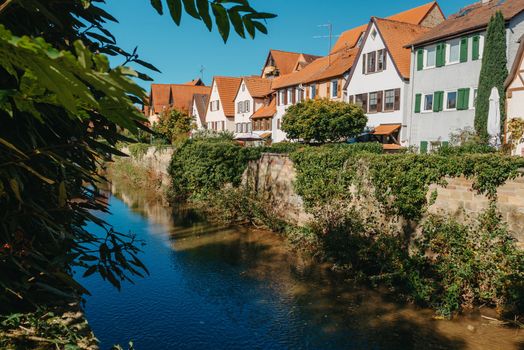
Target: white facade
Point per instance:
(244, 109)
(197, 118)
(215, 117)
(286, 97)
(377, 85)
(430, 124)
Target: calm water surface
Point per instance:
(234, 288)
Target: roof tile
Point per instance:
(227, 89)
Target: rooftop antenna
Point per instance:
(202, 69)
(330, 36)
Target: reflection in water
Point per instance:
(236, 288)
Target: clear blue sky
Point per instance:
(179, 52)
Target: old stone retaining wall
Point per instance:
(156, 160)
(273, 177)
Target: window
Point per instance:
(281, 99)
(359, 100)
(373, 101)
(451, 100)
(380, 60)
(214, 106)
(454, 51)
(372, 62)
(389, 100)
(300, 95)
(289, 96)
(246, 106)
(313, 90)
(428, 103)
(334, 88)
(431, 57)
(243, 87)
(374, 34)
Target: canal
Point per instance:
(236, 288)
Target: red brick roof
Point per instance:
(286, 61)
(258, 87)
(413, 16)
(470, 19)
(396, 35)
(227, 89)
(267, 111)
(180, 97)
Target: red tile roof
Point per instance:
(201, 101)
(180, 97)
(227, 89)
(267, 111)
(470, 19)
(195, 82)
(413, 16)
(396, 35)
(286, 61)
(258, 87)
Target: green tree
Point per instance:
(323, 120)
(61, 108)
(174, 125)
(493, 73)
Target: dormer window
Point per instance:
(373, 33)
(360, 40)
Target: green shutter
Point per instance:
(418, 101)
(420, 59)
(465, 98)
(476, 48)
(423, 147)
(460, 99)
(438, 101)
(464, 49)
(441, 55)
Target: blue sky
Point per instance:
(179, 52)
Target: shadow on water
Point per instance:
(237, 288)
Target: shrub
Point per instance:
(323, 120)
(174, 125)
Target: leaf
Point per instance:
(157, 4)
(250, 27)
(91, 270)
(236, 20)
(222, 20)
(261, 28)
(189, 5)
(203, 9)
(175, 9)
(16, 189)
(62, 194)
(147, 65)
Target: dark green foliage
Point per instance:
(203, 166)
(322, 120)
(61, 109)
(493, 74)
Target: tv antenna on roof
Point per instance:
(202, 70)
(330, 36)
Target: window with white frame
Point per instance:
(247, 106)
(451, 100)
(214, 105)
(431, 57)
(300, 95)
(373, 101)
(313, 90)
(282, 96)
(428, 103)
(453, 51)
(243, 87)
(334, 88)
(389, 100)
(289, 96)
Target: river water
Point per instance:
(235, 288)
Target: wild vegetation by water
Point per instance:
(449, 265)
(61, 108)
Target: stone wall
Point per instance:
(273, 176)
(156, 160)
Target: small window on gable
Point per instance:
(360, 39)
(373, 33)
(243, 87)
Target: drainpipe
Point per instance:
(410, 105)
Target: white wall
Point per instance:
(218, 115)
(515, 102)
(279, 135)
(196, 117)
(243, 95)
(387, 79)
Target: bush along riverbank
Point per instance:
(369, 216)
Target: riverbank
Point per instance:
(221, 287)
(370, 214)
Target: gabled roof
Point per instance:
(471, 19)
(267, 111)
(258, 87)
(516, 64)
(413, 16)
(323, 68)
(195, 82)
(395, 36)
(286, 61)
(201, 101)
(166, 96)
(227, 90)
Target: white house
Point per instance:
(199, 109)
(220, 114)
(515, 94)
(253, 94)
(445, 68)
(379, 79)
